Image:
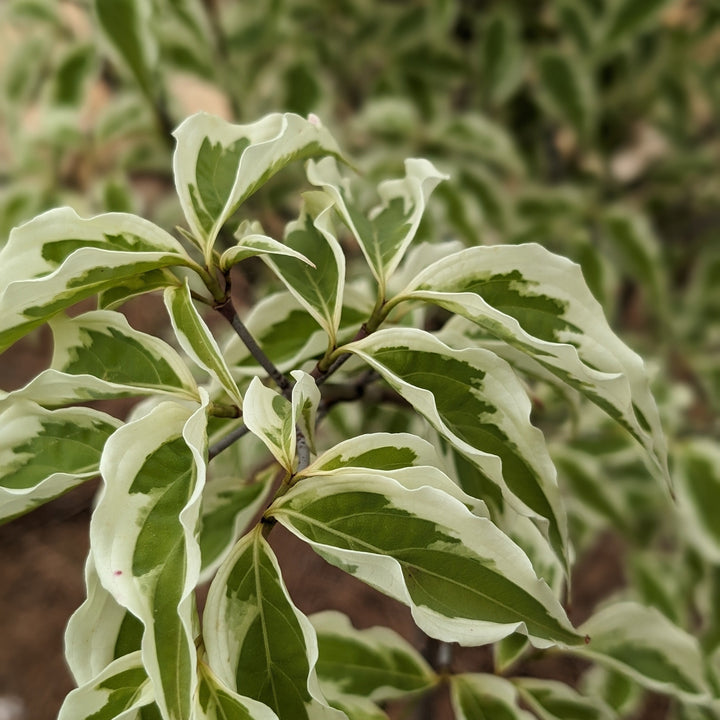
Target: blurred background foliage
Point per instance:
(591, 127)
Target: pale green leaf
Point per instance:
(616, 690)
(228, 506)
(254, 244)
(270, 416)
(476, 696)
(636, 249)
(384, 234)
(539, 303)
(115, 694)
(463, 579)
(626, 17)
(58, 258)
(585, 476)
(642, 643)
(99, 631)
(501, 60)
(196, 339)
(473, 136)
(553, 700)
(508, 651)
(143, 536)
(318, 286)
(305, 400)
(577, 22)
(375, 663)
(475, 401)
(101, 343)
(258, 643)
(216, 701)
(698, 475)
(218, 165)
(127, 24)
(567, 91)
(44, 453)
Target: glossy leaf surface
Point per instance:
(463, 579)
(44, 453)
(218, 165)
(58, 259)
(539, 303)
(258, 643)
(474, 400)
(143, 535)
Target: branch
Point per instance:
(227, 310)
(227, 441)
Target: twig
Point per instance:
(321, 375)
(227, 310)
(227, 441)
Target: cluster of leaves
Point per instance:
(578, 126)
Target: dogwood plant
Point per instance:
(456, 513)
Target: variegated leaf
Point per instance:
(217, 165)
(641, 642)
(228, 506)
(143, 535)
(134, 286)
(270, 416)
(318, 286)
(463, 579)
(102, 344)
(501, 56)
(475, 401)
(508, 651)
(216, 701)
(254, 244)
(375, 663)
(127, 24)
(58, 258)
(616, 690)
(636, 249)
(566, 88)
(378, 451)
(386, 232)
(305, 400)
(553, 700)
(197, 341)
(258, 643)
(357, 707)
(99, 631)
(117, 693)
(403, 457)
(477, 695)
(44, 453)
(539, 303)
(472, 135)
(698, 474)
